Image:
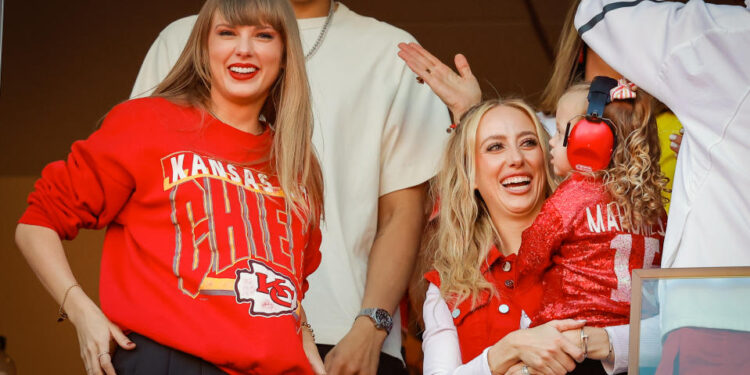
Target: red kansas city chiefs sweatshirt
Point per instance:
(201, 253)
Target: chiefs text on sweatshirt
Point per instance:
(201, 253)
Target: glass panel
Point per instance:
(695, 325)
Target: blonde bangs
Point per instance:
(287, 108)
(252, 13)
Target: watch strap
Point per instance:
(380, 317)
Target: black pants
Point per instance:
(388, 365)
(152, 358)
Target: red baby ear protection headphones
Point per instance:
(592, 139)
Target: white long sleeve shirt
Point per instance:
(442, 354)
(376, 131)
(695, 58)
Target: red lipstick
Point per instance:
(243, 72)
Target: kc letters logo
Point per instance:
(268, 292)
(227, 217)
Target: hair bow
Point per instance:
(623, 90)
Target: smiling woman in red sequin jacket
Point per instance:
(495, 173)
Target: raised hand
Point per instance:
(458, 91)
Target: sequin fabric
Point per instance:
(584, 259)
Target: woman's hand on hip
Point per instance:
(95, 334)
(312, 354)
(308, 345)
(458, 91)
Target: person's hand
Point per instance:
(458, 91)
(676, 141)
(517, 369)
(95, 335)
(543, 349)
(311, 352)
(358, 352)
(598, 341)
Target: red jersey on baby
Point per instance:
(577, 248)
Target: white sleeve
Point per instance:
(618, 336)
(162, 56)
(617, 31)
(414, 135)
(687, 55)
(650, 346)
(442, 354)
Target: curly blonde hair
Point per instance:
(465, 233)
(633, 177)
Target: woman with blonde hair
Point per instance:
(495, 173)
(497, 177)
(211, 194)
(574, 62)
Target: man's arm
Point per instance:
(686, 48)
(401, 218)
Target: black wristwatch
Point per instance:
(380, 317)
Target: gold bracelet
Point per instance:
(309, 328)
(61, 314)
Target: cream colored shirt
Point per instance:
(376, 131)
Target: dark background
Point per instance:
(66, 63)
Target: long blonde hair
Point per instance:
(465, 232)
(287, 107)
(566, 69)
(633, 177)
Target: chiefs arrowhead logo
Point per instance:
(268, 292)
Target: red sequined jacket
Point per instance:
(578, 250)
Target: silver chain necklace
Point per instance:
(322, 34)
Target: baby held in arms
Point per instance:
(607, 217)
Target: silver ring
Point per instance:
(525, 370)
(101, 354)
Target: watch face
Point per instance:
(382, 316)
